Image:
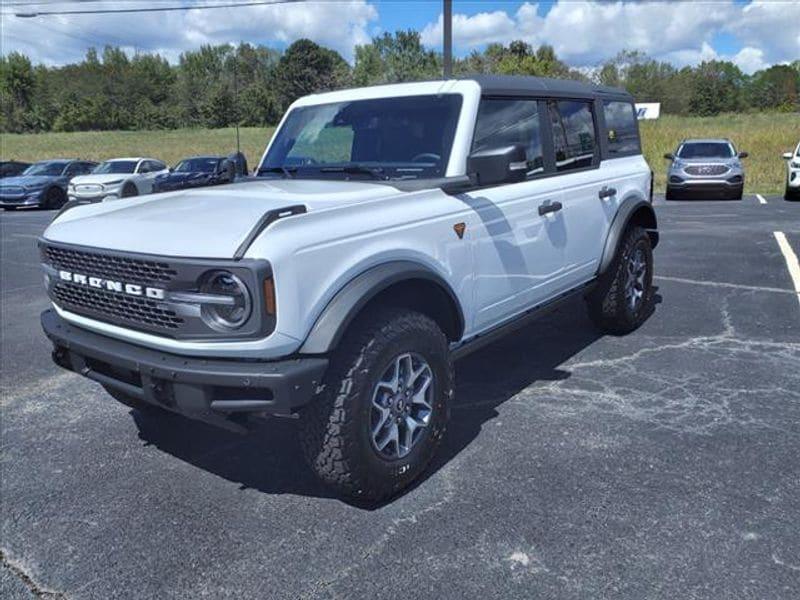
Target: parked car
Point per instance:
(10, 168)
(197, 171)
(392, 230)
(117, 178)
(702, 168)
(43, 184)
(792, 174)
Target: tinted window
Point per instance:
(45, 168)
(573, 134)
(403, 137)
(115, 166)
(705, 150)
(623, 135)
(198, 165)
(503, 123)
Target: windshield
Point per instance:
(115, 166)
(197, 165)
(45, 168)
(706, 150)
(405, 137)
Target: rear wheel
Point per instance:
(623, 298)
(383, 410)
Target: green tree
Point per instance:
(306, 68)
(393, 58)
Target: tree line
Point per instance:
(218, 86)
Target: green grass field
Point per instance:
(764, 136)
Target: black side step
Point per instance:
(265, 221)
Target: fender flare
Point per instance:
(632, 209)
(339, 313)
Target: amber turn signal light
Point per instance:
(269, 296)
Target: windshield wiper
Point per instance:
(355, 169)
(287, 172)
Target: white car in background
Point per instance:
(117, 178)
(792, 174)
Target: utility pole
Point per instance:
(448, 38)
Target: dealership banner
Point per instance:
(648, 110)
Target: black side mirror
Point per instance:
(669, 156)
(498, 165)
(743, 155)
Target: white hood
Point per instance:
(100, 178)
(202, 223)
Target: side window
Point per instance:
(623, 133)
(143, 167)
(158, 165)
(73, 169)
(503, 122)
(573, 134)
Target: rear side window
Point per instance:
(503, 123)
(573, 134)
(621, 127)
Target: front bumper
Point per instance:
(216, 391)
(31, 199)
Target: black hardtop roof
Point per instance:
(519, 85)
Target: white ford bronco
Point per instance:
(387, 232)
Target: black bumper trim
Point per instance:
(209, 389)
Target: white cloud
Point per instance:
(61, 39)
(585, 33)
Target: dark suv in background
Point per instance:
(703, 168)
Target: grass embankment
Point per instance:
(764, 136)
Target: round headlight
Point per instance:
(235, 304)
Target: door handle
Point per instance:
(549, 207)
(606, 192)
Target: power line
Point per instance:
(149, 9)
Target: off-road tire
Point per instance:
(607, 304)
(335, 427)
(129, 190)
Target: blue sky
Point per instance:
(752, 33)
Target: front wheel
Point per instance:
(54, 198)
(791, 194)
(623, 298)
(384, 406)
(129, 190)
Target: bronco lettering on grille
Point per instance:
(112, 286)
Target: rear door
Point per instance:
(519, 253)
(589, 198)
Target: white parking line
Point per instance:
(791, 260)
(761, 199)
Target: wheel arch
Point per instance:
(634, 210)
(397, 283)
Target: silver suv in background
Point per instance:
(705, 168)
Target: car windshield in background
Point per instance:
(45, 168)
(407, 137)
(197, 165)
(706, 150)
(115, 166)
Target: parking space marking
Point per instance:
(791, 260)
(761, 199)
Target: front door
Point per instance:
(519, 235)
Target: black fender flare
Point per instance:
(633, 209)
(339, 313)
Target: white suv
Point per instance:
(792, 174)
(117, 178)
(390, 230)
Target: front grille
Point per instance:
(8, 190)
(707, 170)
(130, 270)
(131, 309)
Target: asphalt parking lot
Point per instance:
(664, 464)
